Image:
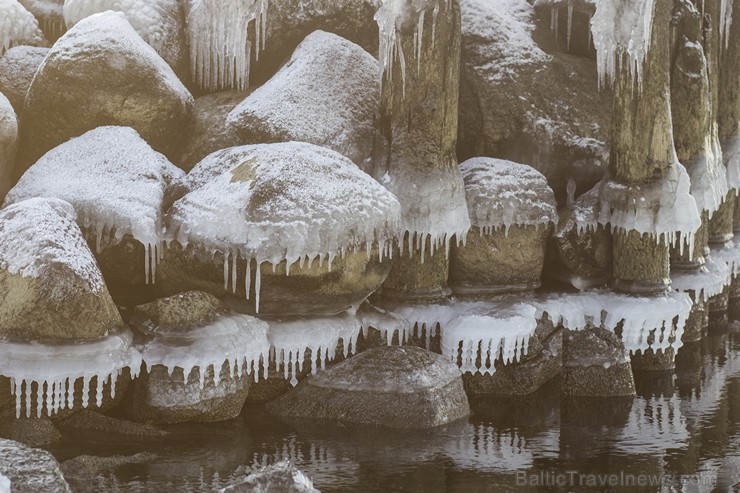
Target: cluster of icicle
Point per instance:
(709, 280)
(725, 21)
(17, 26)
(709, 177)
(49, 14)
(49, 372)
(730, 255)
(555, 14)
(391, 323)
(621, 31)
(731, 156)
(220, 49)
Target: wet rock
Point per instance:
(17, 67)
(179, 312)
(30, 470)
(417, 275)
(278, 478)
(397, 387)
(8, 144)
(305, 102)
(595, 363)
(34, 432)
(70, 94)
(90, 422)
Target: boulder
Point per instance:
(70, 94)
(34, 432)
(30, 470)
(512, 209)
(396, 387)
(278, 478)
(8, 144)
(92, 423)
(17, 67)
(306, 102)
(49, 15)
(19, 26)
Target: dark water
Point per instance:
(681, 434)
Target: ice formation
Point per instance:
(220, 49)
(114, 180)
(240, 340)
(731, 156)
(49, 372)
(501, 194)
(290, 201)
(18, 26)
(49, 14)
(730, 255)
(4, 484)
(555, 6)
(725, 21)
(706, 282)
(621, 31)
(386, 322)
(709, 176)
(293, 339)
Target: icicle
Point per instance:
(570, 22)
(257, 286)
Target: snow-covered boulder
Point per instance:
(306, 102)
(50, 16)
(120, 189)
(289, 228)
(70, 94)
(159, 22)
(396, 387)
(29, 470)
(281, 477)
(200, 359)
(521, 100)
(19, 26)
(17, 68)
(8, 144)
(512, 210)
(40, 241)
(208, 131)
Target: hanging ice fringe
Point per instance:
(18, 26)
(220, 49)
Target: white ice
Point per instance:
(730, 255)
(725, 21)
(731, 156)
(710, 279)
(220, 50)
(571, 5)
(114, 180)
(501, 194)
(48, 13)
(290, 201)
(53, 370)
(708, 175)
(4, 484)
(18, 26)
(291, 340)
(240, 340)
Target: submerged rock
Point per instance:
(17, 67)
(397, 387)
(278, 478)
(70, 94)
(8, 144)
(30, 470)
(306, 102)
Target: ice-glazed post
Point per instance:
(414, 155)
(728, 112)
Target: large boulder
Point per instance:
(29, 470)
(8, 144)
(306, 102)
(17, 67)
(521, 99)
(397, 387)
(291, 225)
(70, 94)
(19, 26)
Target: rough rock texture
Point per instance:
(522, 100)
(208, 131)
(17, 68)
(278, 478)
(39, 242)
(416, 276)
(180, 312)
(306, 102)
(50, 16)
(595, 364)
(83, 472)
(30, 470)
(70, 94)
(8, 144)
(34, 432)
(90, 422)
(397, 387)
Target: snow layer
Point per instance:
(39, 236)
(707, 281)
(220, 50)
(240, 340)
(290, 201)
(53, 370)
(501, 194)
(115, 181)
(292, 339)
(709, 176)
(621, 32)
(18, 26)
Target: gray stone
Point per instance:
(397, 387)
(34, 432)
(179, 312)
(17, 67)
(30, 470)
(278, 478)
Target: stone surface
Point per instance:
(70, 94)
(17, 67)
(306, 102)
(417, 276)
(397, 387)
(8, 144)
(30, 470)
(178, 313)
(34, 432)
(92, 423)
(84, 471)
(278, 478)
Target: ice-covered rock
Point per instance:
(282, 477)
(28, 470)
(159, 23)
(70, 94)
(318, 229)
(304, 101)
(397, 387)
(50, 16)
(709, 280)
(8, 144)
(512, 210)
(117, 184)
(17, 68)
(19, 27)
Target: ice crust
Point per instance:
(731, 156)
(708, 175)
(115, 182)
(18, 26)
(53, 370)
(710, 279)
(725, 21)
(730, 255)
